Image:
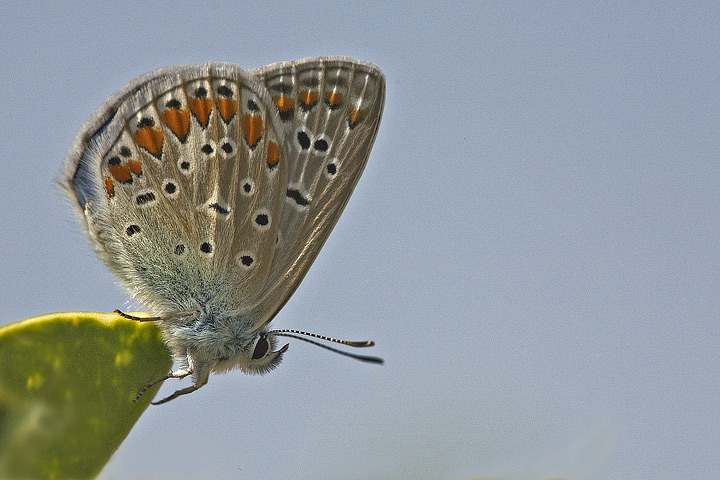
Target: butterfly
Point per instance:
(209, 190)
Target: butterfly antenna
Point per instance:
(297, 334)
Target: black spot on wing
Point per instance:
(295, 195)
(219, 208)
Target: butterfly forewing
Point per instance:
(181, 180)
(330, 110)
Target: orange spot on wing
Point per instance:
(227, 108)
(355, 117)
(151, 139)
(284, 103)
(109, 186)
(333, 99)
(253, 128)
(120, 173)
(273, 155)
(178, 121)
(134, 166)
(201, 108)
(308, 98)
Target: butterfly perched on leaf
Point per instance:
(209, 190)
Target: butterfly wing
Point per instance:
(180, 178)
(330, 110)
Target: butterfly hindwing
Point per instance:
(173, 178)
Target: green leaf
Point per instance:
(67, 384)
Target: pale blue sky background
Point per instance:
(534, 245)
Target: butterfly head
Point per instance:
(260, 355)
(203, 342)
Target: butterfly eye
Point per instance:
(261, 348)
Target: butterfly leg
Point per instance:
(182, 391)
(176, 374)
(170, 316)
